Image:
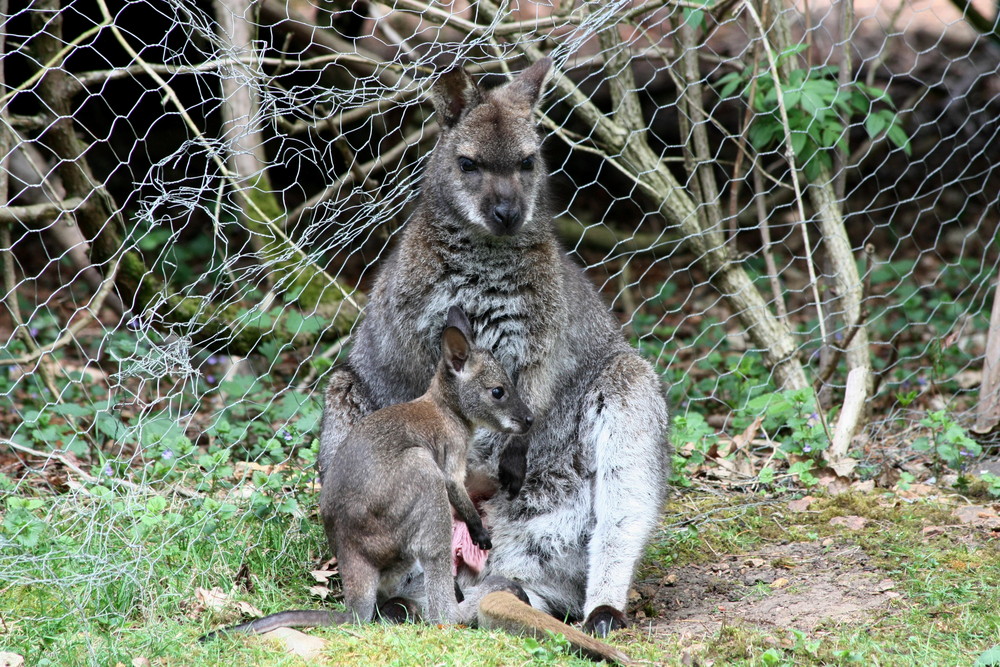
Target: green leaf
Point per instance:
(694, 18)
(990, 658)
(897, 135)
(874, 124)
(799, 140)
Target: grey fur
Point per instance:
(598, 457)
(387, 497)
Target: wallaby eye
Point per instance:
(527, 164)
(497, 392)
(467, 164)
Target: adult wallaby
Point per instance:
(594, 467)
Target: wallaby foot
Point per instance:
(398, 610)
(603, 620)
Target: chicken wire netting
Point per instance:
(770, 197)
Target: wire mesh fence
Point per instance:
(791, 208)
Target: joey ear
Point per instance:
(526, 87)
(455, 348)
(453, 94)
(458, 319)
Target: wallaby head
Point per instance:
(482, 389)
(488, 165)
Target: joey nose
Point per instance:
(526, 423)
(507, 216)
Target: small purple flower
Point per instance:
(922, 381)
(838, 336)
(213, 359)
(966, 453)
(285, 434)
(806, 449)
(134, 323)
(108, 471)
(167, 455)
(210, 378)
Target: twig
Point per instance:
(90, 312)
(329, 353)
(57, 58)
(837, 351)
(86, 476)
(219, 162)
(414, 138)
(87, 79)
(38, 213)
(765, 237)
(790, 156)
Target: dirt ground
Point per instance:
(797, 585)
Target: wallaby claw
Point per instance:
(483, 540)
(603, 620)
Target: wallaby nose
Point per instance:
(507, 215)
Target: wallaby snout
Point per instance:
(506, 218)
(520, 424)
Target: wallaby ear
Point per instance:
(458, 319)
(455, 348)
(453, 94)
(526, 87)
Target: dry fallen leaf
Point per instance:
(754, 562)
(849, 522)
(322, 592)
(243, 469)
(779, 583)
(11, 660)
(248, 609)
(298, 643)
(323, 576)
(864, 487)
(141, 662)
(932, 531)
(801, 505)
(978, 515)
(211, 599)
(832, 481)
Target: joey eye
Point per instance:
(467, 164)
(498, 393)
(527, 164)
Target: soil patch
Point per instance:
(798, 585)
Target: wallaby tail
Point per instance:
(298, 618)
(393, 610)
(504, 611)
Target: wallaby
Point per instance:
(387, 497)
(581, 494)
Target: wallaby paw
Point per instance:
(482, 540)
(513, 466)
(603, 620)
(398, 610)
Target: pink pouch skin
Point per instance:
(463, 551)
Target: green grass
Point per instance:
(112, 577)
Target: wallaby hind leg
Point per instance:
(624, 421)
(360, 579)
(442, 605)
